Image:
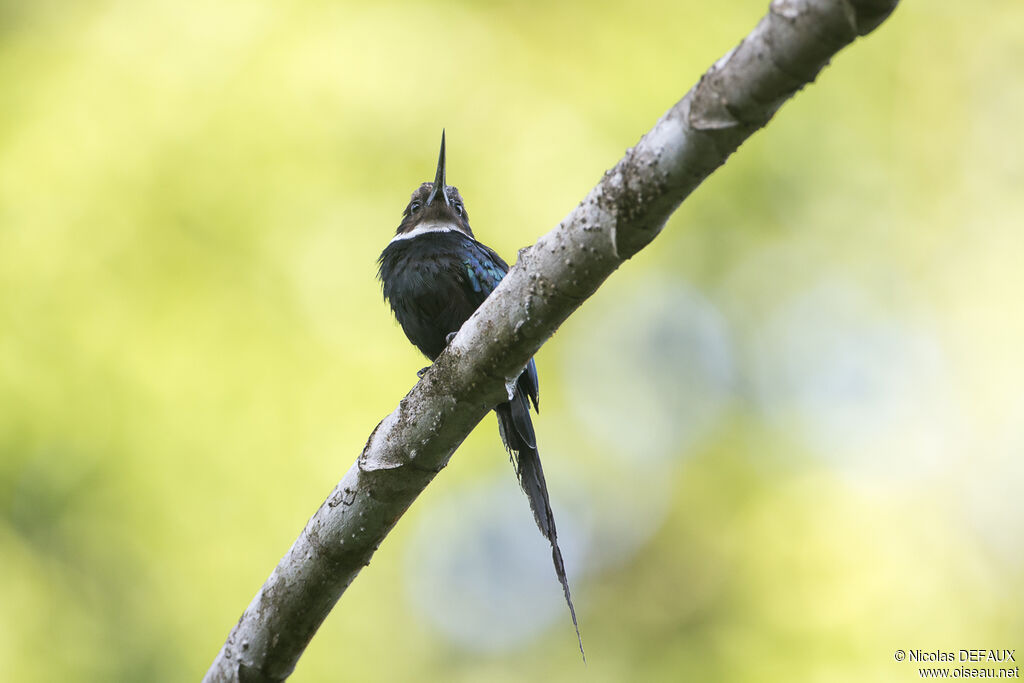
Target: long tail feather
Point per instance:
(517, 433)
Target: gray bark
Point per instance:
(621, 215)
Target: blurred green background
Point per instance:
(783, 442)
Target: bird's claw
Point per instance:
(447, 340)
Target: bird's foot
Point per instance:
(447, 340)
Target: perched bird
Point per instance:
(434, 275)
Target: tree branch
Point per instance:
(620, 216)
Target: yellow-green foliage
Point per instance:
(783, 442)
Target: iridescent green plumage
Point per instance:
(434, 275)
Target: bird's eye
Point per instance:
(414, 206)
(458, 209)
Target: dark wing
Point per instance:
(484, 270)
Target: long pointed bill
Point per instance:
(439, 177)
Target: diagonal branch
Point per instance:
(620, 216)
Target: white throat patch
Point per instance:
(424, 228)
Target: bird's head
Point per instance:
(435, 206)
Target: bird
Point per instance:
(434, 274)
